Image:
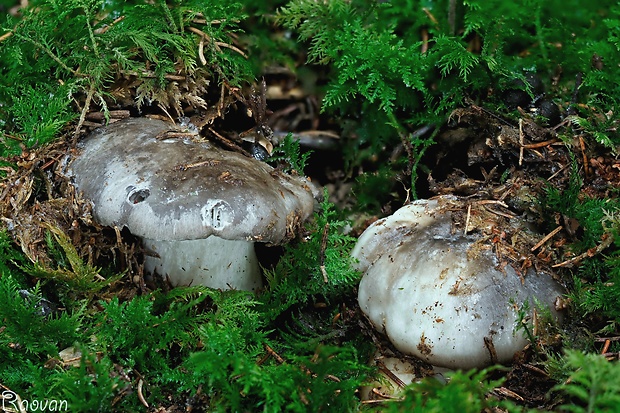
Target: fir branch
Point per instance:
(50, 54)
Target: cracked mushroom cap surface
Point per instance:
(140, 174)
(442, 295)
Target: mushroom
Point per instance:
(393, 375)
(198, 208)
(441, 294)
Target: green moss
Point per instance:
(595, 289)
(465, 392)
(316, 268)
(61, 52)
(389, 69)
(592, 383)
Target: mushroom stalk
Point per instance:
(212, 261)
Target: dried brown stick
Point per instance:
(546, 238)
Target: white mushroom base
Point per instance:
(212, 262)
(439, 296)
(386, 386)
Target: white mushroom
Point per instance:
(441, 294)
(393, 375)
(198, 208)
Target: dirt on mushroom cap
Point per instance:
(441, 293)
(175, 188)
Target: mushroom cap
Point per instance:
(170, 188)
(441, 295)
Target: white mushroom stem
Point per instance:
(213, 262)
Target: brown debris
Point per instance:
(36, 199)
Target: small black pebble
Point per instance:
(549, 110)
(514, 98)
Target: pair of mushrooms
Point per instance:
(198, 208)
(435, 293)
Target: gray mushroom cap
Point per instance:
(169, 188)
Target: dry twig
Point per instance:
(546, 238)
(322, 252)
(607, 240)
(140, 395)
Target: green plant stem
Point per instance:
(50, 54)
(90, 30)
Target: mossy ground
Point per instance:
(510, 102)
